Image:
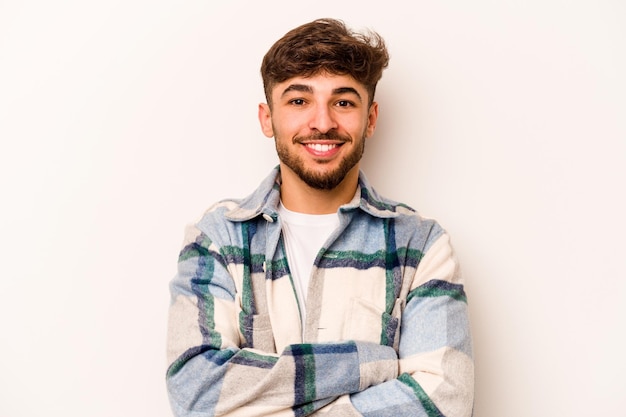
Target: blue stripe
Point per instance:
(256, 362)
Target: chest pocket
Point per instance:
(256, 332)
(367, 322)
(254, 321)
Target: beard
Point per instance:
(326, 179)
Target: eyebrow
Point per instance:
(347, 90)
(303, 88)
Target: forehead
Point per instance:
(331, 84)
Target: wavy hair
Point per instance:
(325, 46)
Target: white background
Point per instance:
(121, 121)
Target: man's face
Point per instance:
(320, 124)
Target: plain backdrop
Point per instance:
(122, 121)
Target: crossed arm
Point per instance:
(431, 373)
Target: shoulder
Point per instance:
(227, 215)
(407, 223)
(418, 228)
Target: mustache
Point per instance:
(331, 135)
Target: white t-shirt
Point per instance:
(304, 236)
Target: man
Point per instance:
(315, 295)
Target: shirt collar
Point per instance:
(264, 201)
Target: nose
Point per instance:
(322, 119)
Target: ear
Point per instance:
(372, 117)
(265, 118)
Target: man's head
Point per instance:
(319, 81)
(325, 46)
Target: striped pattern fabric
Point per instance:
(386, 331)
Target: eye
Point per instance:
(297, 101)
(345, 103)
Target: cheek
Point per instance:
(357, 126)
(287, 124)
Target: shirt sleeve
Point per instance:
(209, 373)
(436, 371)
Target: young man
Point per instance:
(315, 295)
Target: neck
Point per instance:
(297, 196)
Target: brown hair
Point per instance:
(325, 45)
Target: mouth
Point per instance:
(322, 150)
(322, 147)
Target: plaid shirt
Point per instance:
(386, 331)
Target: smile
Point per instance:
(319, 147)
(322, 150)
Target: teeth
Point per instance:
(321, 147)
